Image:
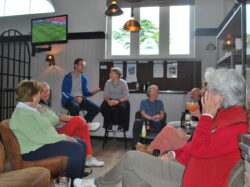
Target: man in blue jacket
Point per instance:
(75, 92)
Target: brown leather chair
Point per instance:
(33, 177)
(56, 165)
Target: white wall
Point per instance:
(88, 16)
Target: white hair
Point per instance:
(228, 83)
(150, 88)
(45, 84)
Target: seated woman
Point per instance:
(71, 126)
(116, 98)
(152, 111)
(171, 138)
(38, 139)
(204, 161)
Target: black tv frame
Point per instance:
(49, 42)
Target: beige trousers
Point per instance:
(137, 169)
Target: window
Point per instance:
(167, 32)
(149, 34)
(120, 37)
(179, 17)
(14, 7)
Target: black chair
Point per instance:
(114, 129)
(150, 135)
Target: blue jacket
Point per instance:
(67, 86)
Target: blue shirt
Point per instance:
(151, 108)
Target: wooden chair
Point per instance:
(56, 165)
(33, 177)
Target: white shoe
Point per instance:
(84, 182)
(94, 126)
(93, 162)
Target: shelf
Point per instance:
(228, 58)
(232, 28)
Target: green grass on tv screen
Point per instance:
(48, 32)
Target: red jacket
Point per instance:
(211, 154)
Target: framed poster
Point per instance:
(172, 71)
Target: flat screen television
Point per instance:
(49, 30)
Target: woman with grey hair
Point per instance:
(115, 105)
(207, 159)
(152, 113)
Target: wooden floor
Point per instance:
(111, 154)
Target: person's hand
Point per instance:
(41, 109)
(196, 113)
(96, 90)
(115, 102)
(110, 102)
(167, 156)
(71, 139)
(78, 99)
(211, 103)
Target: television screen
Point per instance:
(49, 30)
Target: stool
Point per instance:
(114, 130)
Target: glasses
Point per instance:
(83, 65)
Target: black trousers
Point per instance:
(155, 127)
(118, 114)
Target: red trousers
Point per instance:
(77, 126)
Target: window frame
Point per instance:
(163, 35)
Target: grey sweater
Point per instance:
(116, 91)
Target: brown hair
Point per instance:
(117, 70)
(26, 89)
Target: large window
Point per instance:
(22, 7)
(167, 32)
(120, 44)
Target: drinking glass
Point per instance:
(192, 105)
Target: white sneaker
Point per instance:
(84, 182)
(94, 126)
(93, 162)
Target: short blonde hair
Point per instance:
(26, 89)
(117, 70)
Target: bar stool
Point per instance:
(114, 130)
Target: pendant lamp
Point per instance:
(113, 9)
(132, 24)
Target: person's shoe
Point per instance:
(84, 182)
(120, 128)
(93, 162)
(143, 148)
(94, 126)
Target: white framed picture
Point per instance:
(172, 70)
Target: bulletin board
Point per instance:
(176, 75)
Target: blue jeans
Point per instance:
(76, 153)
(91, 108)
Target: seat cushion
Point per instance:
(32, 177)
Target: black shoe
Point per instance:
(120, 128)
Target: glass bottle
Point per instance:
(143, 131)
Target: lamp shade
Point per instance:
(50, 59)
(113, 9)
(229, 44)
(132, 24)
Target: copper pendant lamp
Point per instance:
(114, 9)
(132, 24)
